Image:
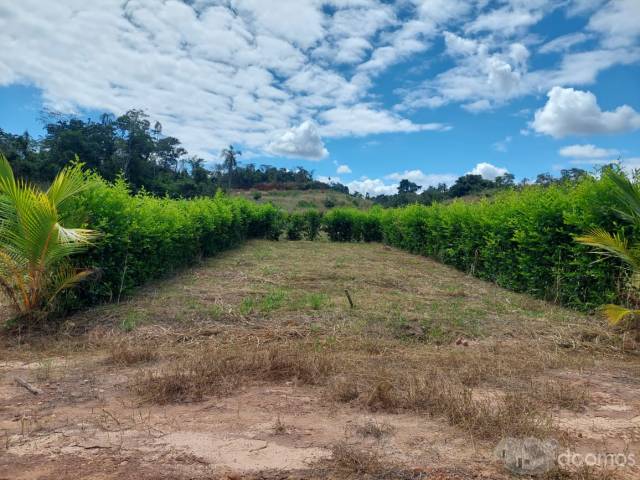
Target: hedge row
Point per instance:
(522, 240)
(145, 237)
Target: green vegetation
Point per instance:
(310, 199)
(34, 246)
(145, 237)
(521, 239)
(617, 246)
(136, 148)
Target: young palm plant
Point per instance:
(34, 246)
(615, 245)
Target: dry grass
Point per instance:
(299, 200)
(219, 371)
(127, 353)
(245, 317)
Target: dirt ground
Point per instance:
(253, 365)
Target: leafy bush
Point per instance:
(342, 225)
(329, 202)
(295, 226)
(522, 239)
(146, 237)
(256, 195)
(313, 222)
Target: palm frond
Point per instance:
(611, 245)
(69, 182)
(628, 196)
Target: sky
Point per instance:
(364, 92)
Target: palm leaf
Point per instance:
(611, 245)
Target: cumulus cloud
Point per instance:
(212, 72)
(488, 171)
(363, 119)
(423, 179)
(576, 112)
(587, 151)
(302, 141)
(343, 169)
(372, 186)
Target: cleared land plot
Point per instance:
(253, 365)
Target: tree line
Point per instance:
(469, 185)
(132, 146)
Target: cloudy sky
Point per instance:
(366, 92)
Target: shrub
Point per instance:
(329, 202)
(521, 239)
(313, 222)
(295, 226)
(146, 237)
(342, 225)
(256, 195)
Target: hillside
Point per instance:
(253, 365)
(297, 200)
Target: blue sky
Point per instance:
(363, 91)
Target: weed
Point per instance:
(373, 428)
(219, 371)
(127, 353)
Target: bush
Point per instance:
(329, 202)
(295, 226)
(145, 237)
(256, 195)
(522, 240)
(342, 225)
(313, 222)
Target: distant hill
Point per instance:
(300, 200)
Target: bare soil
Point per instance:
(280, 378)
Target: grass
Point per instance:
(275, 312)
(301, 200)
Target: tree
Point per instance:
(544, 179)
(34, 246)
(230, 162)
(616, 245)
(468, 185)
(407, 186)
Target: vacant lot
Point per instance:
(254, 365)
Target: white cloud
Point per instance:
(505, 21)
(502, 145)
(423, 179)
(212, 72)
(362, 120)
(302, 141)
(343, 169)
(576, 112)
(587, 151)
(617, 22)
(488, 171)
(372, 186)
(564, 42)
(378, 186)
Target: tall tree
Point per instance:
(230, 162)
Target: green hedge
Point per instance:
(146, 237)
(521, 240)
